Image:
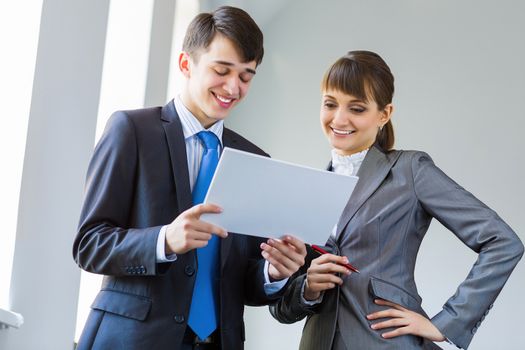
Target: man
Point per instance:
(171, 280)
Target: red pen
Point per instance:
(322, 251)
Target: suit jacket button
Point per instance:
(179, 318)
(189, 270)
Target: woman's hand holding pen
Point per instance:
(404, 321)
(322, 275)
(285, 256)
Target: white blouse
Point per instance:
(347, 165)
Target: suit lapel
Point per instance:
(228, 140)
(177, 149)
(373, 171)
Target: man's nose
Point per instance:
(232, 86)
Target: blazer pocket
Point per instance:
(123, 304)
(385, 290)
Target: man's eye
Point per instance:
(221, 72)
(246, 78)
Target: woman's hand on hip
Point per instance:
(404, 321)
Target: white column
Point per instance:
(62, 122)
(160, 53)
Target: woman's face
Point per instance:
(350, 124)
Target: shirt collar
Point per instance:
(191, 125)
(347, 165)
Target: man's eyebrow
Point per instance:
(230, 64)
(224, 63)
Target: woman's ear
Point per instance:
(386, 113)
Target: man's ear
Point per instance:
(184, 64)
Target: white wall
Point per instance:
(459, 93)
(458, 67)
(66, 86)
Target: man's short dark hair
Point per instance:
(235, 24)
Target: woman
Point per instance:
(381, 229)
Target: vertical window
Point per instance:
(19, 29)
(185, 11)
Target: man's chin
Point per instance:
(210, 120)
(219, 116)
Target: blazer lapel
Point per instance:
(373, 171)
(228, 140)
(177, 149)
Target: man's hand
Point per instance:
(322, 275)
(285, 256)
(188, 232)
(405, 322)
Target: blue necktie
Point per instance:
(203, 310)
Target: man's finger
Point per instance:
(275, 263)
(274, 257)
(204, 226)
(199, 209)
(296, 243)
(285, 252)
(286, 256)
(195, 235)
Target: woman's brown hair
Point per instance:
(365, 75)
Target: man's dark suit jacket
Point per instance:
(137, 182)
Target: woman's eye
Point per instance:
(329, 105)
(357, 110)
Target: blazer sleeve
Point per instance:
(254, 292)
(104, 243)
(290, 308)
(482, 230)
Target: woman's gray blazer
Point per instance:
(380, 230)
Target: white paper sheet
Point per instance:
(265, 197)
